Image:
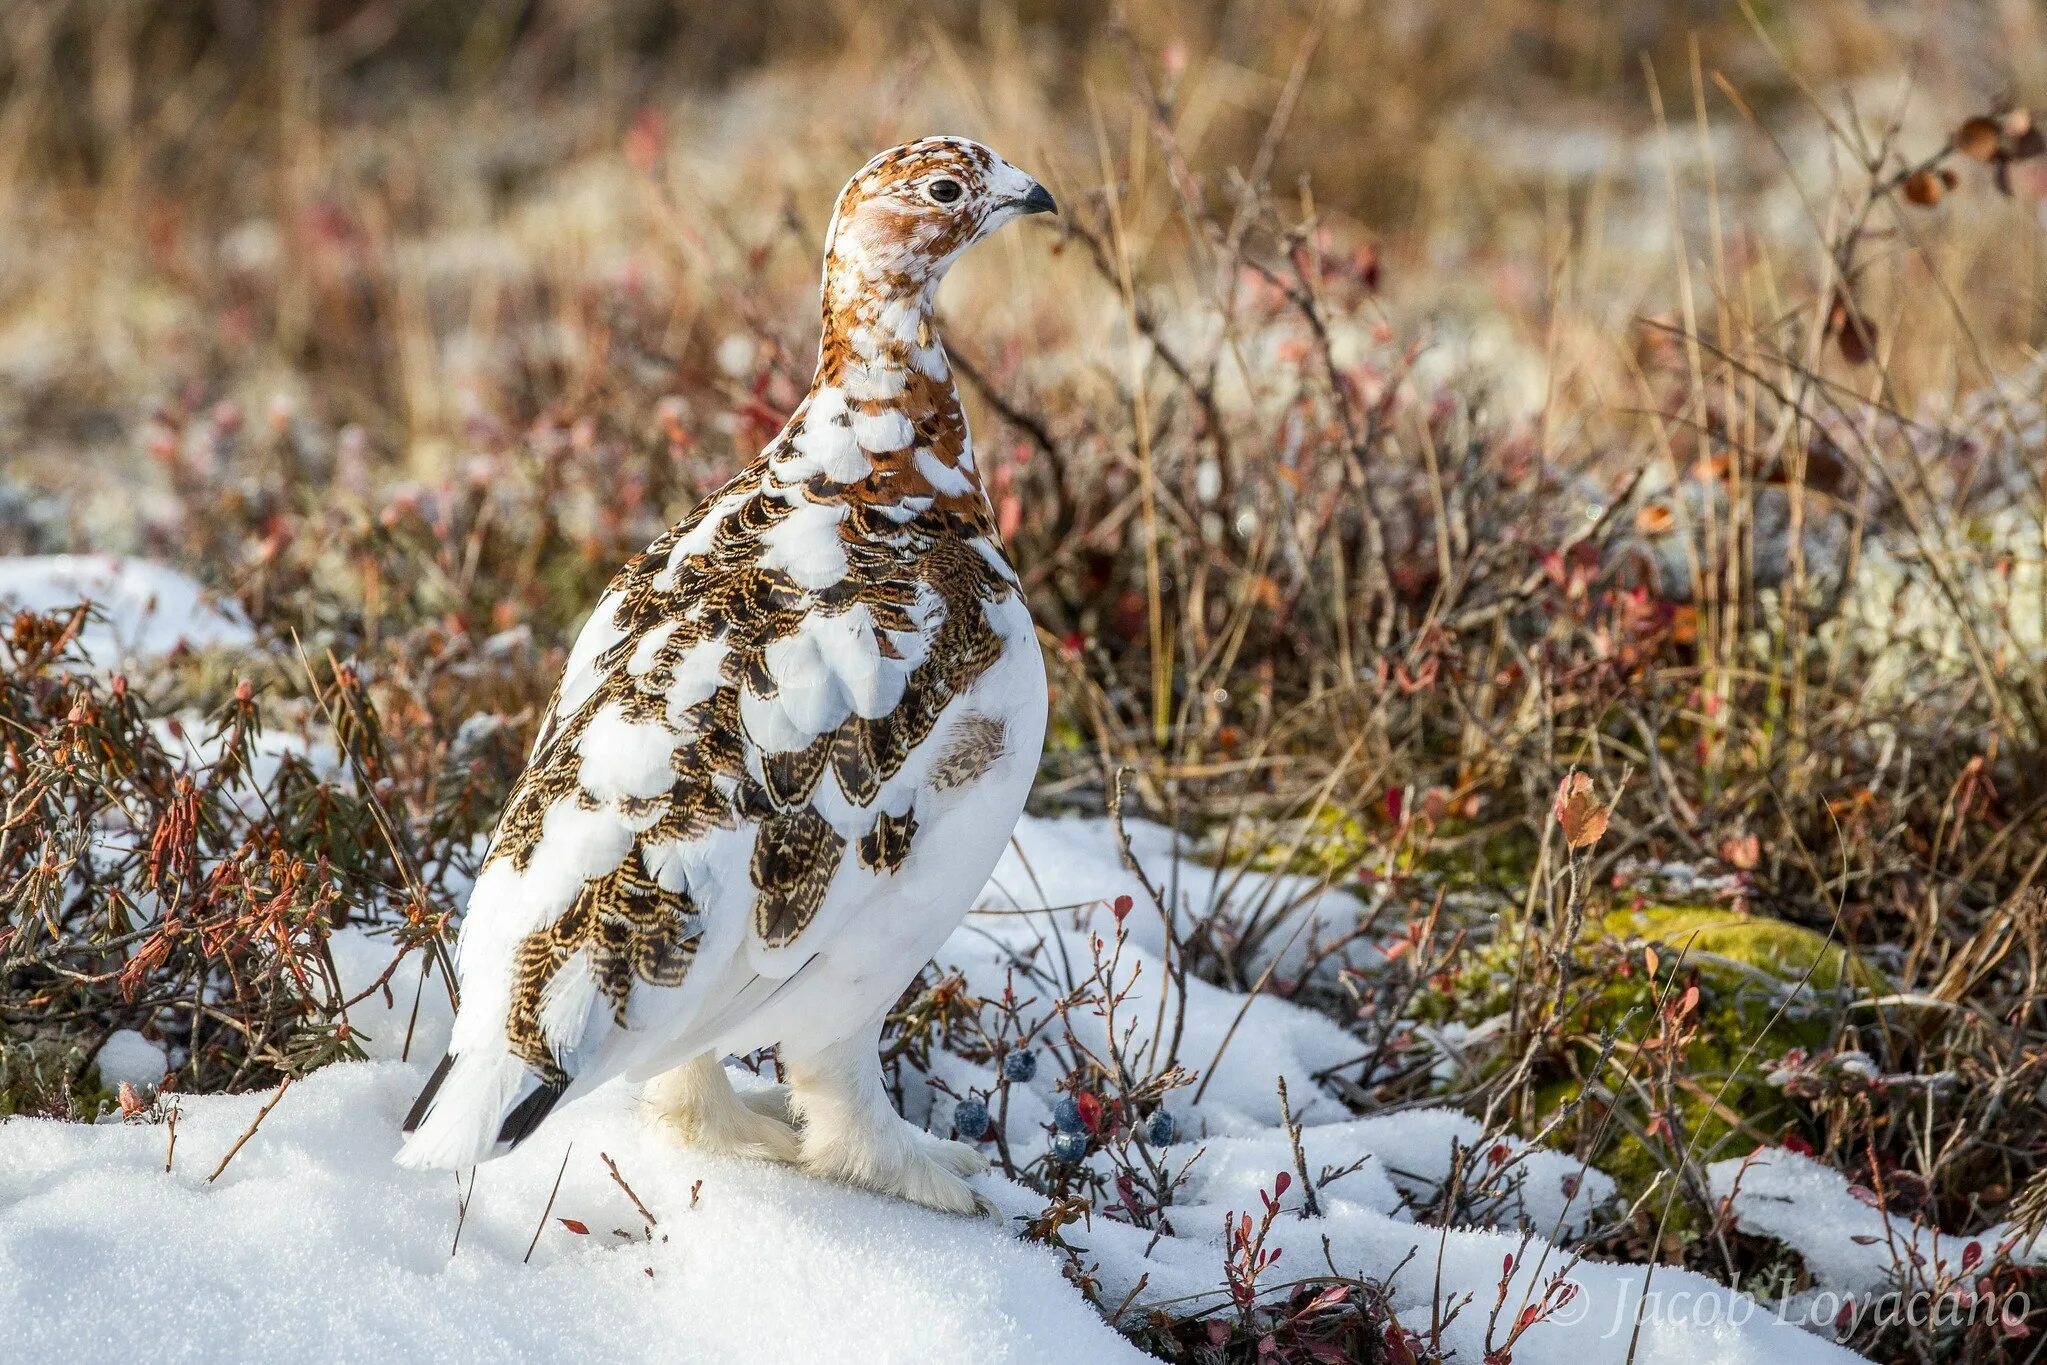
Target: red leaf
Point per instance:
(1851, 330)
(1328, 1298)
(573, 1226)
(1741, 852)
(1924, 188)
(643, 140)
(1122, 907)
(1280, 1183)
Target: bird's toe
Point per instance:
(958, 1157)
(899, 1159)
(771, 1101)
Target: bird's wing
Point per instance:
(740, 728)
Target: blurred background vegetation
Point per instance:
(364, 206)
(1414, 403)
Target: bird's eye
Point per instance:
(945, 191)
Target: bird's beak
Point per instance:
(1039, 200)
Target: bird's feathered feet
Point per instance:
(696, 1105)
(850, 1132)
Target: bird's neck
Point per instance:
(883, 422)
(879, 320)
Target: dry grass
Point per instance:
(1414, 404)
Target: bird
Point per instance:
(786, 751)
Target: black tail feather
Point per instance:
(518, 1125)
(426, 1096)
(527, 1114)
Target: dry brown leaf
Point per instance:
(1741, 851)
(1924, 188)
(1579, 811)
(1851, 331)
(1978, 137)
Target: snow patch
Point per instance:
(128, 1058)
(145, 610)
(1849, 1242)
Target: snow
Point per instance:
(313, 1244)
(145, 609)
(1851, 1244)
(318, 1246)
(131, 1059)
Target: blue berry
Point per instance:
(1070, 1148)
(1161, 1130)
(970, 1119)
(1020, 1065)
(1066, 1113)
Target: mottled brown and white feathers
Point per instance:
(784, 734)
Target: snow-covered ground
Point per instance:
(312, 1245)
(143, 609)
(1856, 1252)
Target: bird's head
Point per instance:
(911, 211)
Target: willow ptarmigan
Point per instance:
(786, 752)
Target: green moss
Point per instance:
(1765, 988)
(1782, 950)
(1340, 842)
(1330, 844)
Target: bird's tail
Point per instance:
(475, 1107)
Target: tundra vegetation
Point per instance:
(1568, 476)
